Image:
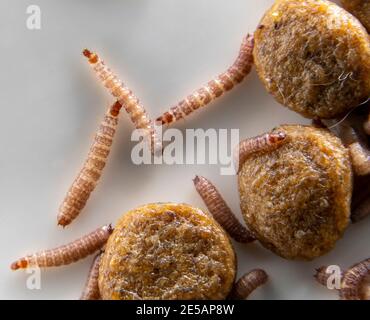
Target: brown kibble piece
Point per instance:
(313, 57)
(262, 143)
(322, 276)
(356, 282)
(296, 199)
(167, 251)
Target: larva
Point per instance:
(248, 283)
(322, 276)
(221, 211)
(124, 95)
(214, 88)
(66, 254)
(355, 282)
(348, 131)
(89, 175)
(91, 290)
(265, 142)
(360, 153)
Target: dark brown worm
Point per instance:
(355, 282)
(214, 88)
(91, 290)
(261, 143)
(89, 175)
(124, 95)
(221, 211)
(68, 253)
(248, 283)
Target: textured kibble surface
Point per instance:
(296, 199)
(313, 57)
(360, 9)
(167, 251)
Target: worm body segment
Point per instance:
(214, 88)
(265, 142)
(360, 9)
(89, 175)
(313, 57)
(360, 158)
(221, 211)
(356, 282)
(248, 283)
(360, 153)
(91, 290)
(296, 199)
(366, 124)
(124, 95)
(167, 251)
(322, 276)
(66, 254)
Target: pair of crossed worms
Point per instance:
(88, 177)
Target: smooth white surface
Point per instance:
(51, 105)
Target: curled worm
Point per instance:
(124, 95)
(264, 142)
(89, 175)
(91, 290)
(214, 88)
(248, 283)
(221, 211)
(356, 282)
(68, 253)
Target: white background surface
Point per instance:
(51, 105)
